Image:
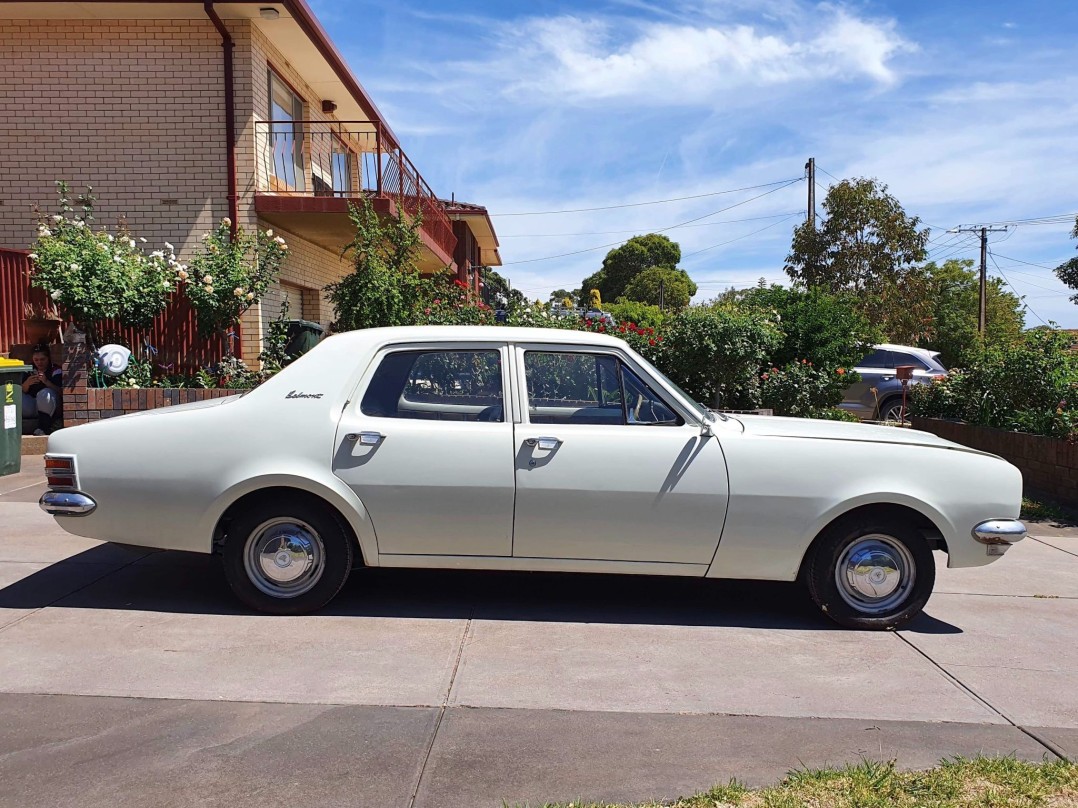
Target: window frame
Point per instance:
(298, 134)
(380, 354)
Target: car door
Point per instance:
(426, 446)
(876, 370)
(606, 467)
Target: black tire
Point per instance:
(848, 541)
(308, 539)
(887, 406)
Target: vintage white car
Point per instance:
(527, 449)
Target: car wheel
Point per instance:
(892, 410)
(289, 556)
(871, 573)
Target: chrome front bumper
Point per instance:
(66, 503)
(999, 534)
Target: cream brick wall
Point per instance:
(133, 108)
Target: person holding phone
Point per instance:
(42, 389)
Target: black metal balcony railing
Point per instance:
(346, 159)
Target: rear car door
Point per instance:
(877, 371)
(428, 449)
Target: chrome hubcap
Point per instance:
(284, 557)
(875, 574)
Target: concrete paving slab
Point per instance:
(32, 470)
(29, 494)
(1017, 653)
(1052, 529)
(1064, 543)
(29, 534)
(1065, 739)
(484, 756)
(1021, 572)
(705, 669)
(26, 587)
(317, 660)
(90, 752)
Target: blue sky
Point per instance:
(967, 111)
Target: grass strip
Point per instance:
(956, 783)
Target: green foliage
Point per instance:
(1028, 386)
(1068, 271)
(445, 300)
(595, 300)
(865, 241)
(497, 292)
(384, 287)
(954, 296)
(715, 354)
(631, 311)
(624, 263)
(93, 275)
(675, 285)
(230, 273)
(274, 355)
(801, 388)
(828, 328)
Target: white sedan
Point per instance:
(527, 449)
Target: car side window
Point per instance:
(580, 388)
(908, 359)
(877, 359)
(437, 386)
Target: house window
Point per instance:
(286, 136)
(342, 169)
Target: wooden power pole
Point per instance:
(982, 310)
(810, 167)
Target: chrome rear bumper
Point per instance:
(999, 532)
(66, 503)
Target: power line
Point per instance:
(661, 230)
(637, 230)
(746, 235)
(1000, 271)
(653, 202)
(1058, 218)
(1028, 263)
(828, 173)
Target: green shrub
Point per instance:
(802, 389)
(632, 311)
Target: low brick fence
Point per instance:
(1048, 465)
(83, 403)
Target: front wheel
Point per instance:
(289, 556)
(871, 573)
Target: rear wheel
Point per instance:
(287, 556)
(871, 573)
(892, 410)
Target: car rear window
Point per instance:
(437, 386)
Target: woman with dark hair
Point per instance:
(42, 389)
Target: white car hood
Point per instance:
(811, 428)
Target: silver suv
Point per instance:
(878, 373)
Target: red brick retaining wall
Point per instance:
(83, 404)
(1048, 465)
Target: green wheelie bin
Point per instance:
(11, 400)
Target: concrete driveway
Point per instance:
(131, 677)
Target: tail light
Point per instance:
(60, 471)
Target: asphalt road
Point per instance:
(133, 678)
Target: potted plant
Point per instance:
(41, 323)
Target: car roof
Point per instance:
(924, 353)
(453, 333)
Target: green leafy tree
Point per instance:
(631, 311)
(230, 274)
(954, 294)
(865, 240)
(497, 292)
(673, 287)
(384, 287)
(624, 263)
(558, 295)
(827, 329)
(93, 275)
(1068, 271)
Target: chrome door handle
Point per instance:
(365, 438)
(546, 444)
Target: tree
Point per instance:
(558, 295)
(383, 287)
(624, 263)
(1068, 271)
(955, 300)
(675, 285)
(498, 292)
(866, 241)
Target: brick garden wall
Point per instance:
(1048, 465)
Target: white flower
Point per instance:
(182, 275)
(56, 217)
(166, 285)
(238, 291)
(140, 238)
(109, 236)
(280, 241)
(55, 295)
(207, 279)
(170, 247)
(250, 295)
(79, 223)
(226, 222)
(284, 246)
(44, 231)
(209, 290)
(157, 254)
(204, 236)
(131, 241)
(33, 256)
(75, 267)
(118, 259)
(269, 233)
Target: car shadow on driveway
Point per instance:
(191, 583)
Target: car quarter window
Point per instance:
(459, 385)
(909, 359)
(582, 388)
(877, 359)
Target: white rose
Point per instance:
(250, 295)
(269, 233)
(238, 291)
(209, 290)
(55, 295)
(33, 256)
(183, 275)
(226, 222)
(207, 279)
(169, 246)
(75, 267)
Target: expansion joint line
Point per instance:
(1047, 744)
(441, 710)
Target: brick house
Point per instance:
(181, 113)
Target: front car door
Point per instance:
(608, 467)
(877, 371)
(428, 449)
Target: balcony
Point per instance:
(308, 172)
